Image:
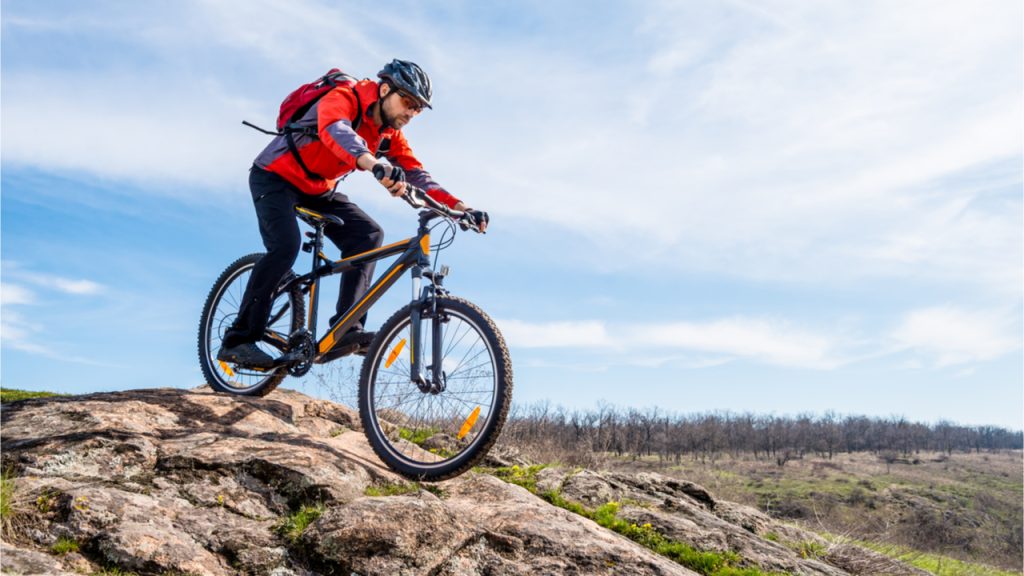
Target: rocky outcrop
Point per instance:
(190, 482)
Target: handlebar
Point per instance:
(418, 198)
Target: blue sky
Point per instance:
(775, 207)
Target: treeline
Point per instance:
(655, 432)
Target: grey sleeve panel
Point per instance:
(421, 179)
(343, 134)
(274, 150)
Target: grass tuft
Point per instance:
(292, 526)
(64, 545)
(418, 436)
(6, 495)
(525, 477)
(395, 489)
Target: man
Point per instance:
(348, 128)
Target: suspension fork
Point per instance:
(424, 300)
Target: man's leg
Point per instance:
(359, 234)
(274, 200)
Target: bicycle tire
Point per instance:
(219, 310)
(390, 427)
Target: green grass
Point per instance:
(292, 526)
(114, 571)
(64, 545)
(12, 395)
(934, 563)
(707, 563)
(6, 495)
(399, 488)
(525, 477)
(417, 437)
(395, 489)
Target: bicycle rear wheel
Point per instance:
(434, 435)
(221, 309)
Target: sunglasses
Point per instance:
(409, 102)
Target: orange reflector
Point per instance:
(425, 244)
(227, 369)
(394, 353)
(469, 423)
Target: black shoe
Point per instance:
(247, 355)
(353, 342)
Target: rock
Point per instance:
(177, 481)
(397, 535)
(14, 560)
(517, 533)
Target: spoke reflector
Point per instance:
(394, 353)
(227, 369)
(469, 423)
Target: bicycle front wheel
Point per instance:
(438, 433)
(220, 311)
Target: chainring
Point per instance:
(302, 346)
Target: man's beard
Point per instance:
(386, 120)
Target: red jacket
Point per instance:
(333, 154)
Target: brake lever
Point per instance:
(412, 201)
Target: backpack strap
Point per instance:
(295, 152)
(312, 133)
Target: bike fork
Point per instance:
(424, 300)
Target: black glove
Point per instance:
(382, 170)
(475, 219)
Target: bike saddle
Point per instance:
(315, 218)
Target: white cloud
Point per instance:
(15, 294)
(691, 344)
(823, 142)
(588, 334)
(18, 332)
(761, 340)
(949, 336)
(67, 285)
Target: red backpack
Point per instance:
(296, 104)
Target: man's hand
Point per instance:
(391, 177)
(477, 218)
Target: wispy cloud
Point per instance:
(11, 294)
(705, 344)
(949, 336)
(587, 334)
(940, 337)
(60, 284)
(761, 340)
(18, 331)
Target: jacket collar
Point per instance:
(368, 91)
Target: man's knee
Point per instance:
(375, 236)
(285, 248)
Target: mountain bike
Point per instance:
(436, 381)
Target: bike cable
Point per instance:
(447, 238)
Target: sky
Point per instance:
(775, 207)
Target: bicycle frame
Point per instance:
(414, 255)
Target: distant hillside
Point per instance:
(188, 482)
(912, 489)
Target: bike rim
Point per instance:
(430, 430)
(225, 308)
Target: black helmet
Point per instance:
(409, 77)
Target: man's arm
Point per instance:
(401, 155)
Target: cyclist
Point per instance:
(351, 128)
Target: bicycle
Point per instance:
(425, 421)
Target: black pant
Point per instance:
(275, 200)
